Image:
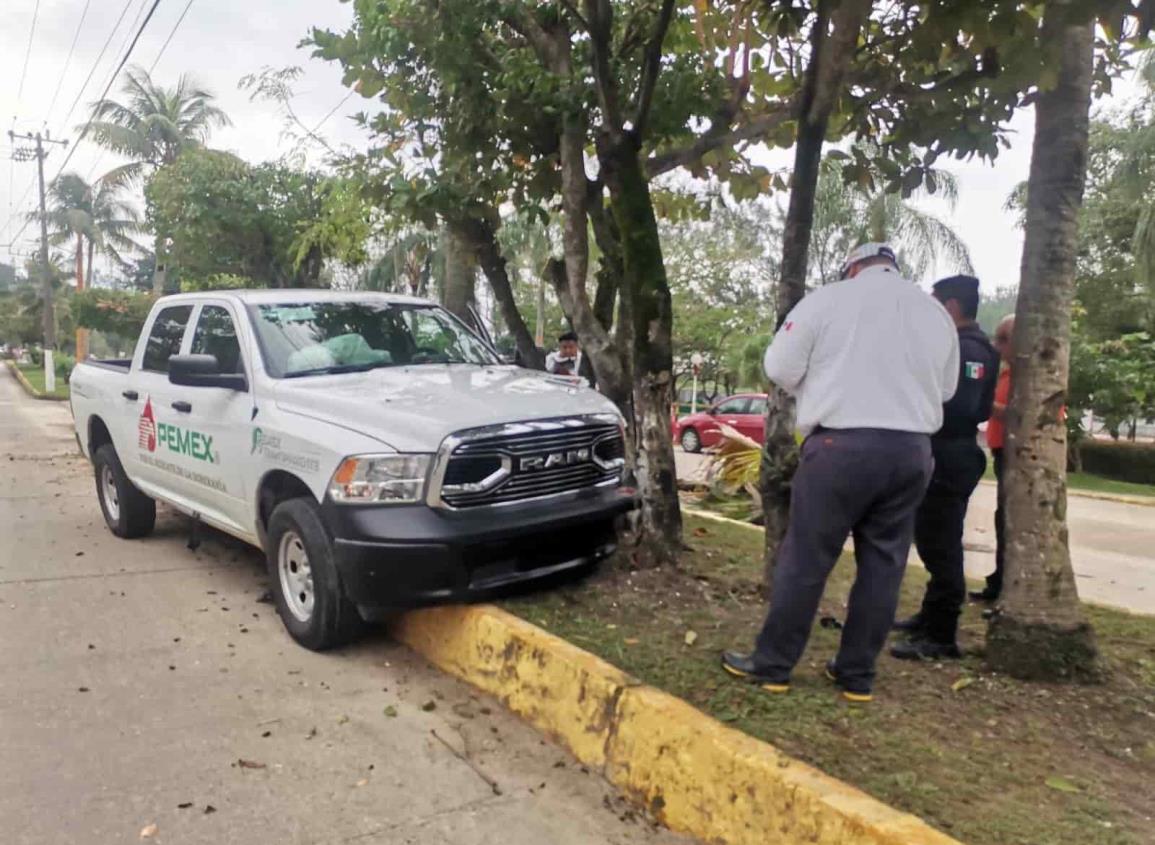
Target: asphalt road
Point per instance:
(144, 684)
(1112, 544)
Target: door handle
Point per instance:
(130, 395)
(183, 407)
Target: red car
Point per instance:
(745, 412)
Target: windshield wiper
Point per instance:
(339, 369)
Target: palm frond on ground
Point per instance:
(733, 465)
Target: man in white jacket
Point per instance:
(870, 359)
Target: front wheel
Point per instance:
(128, 513)
(691, 442)
(305, 581)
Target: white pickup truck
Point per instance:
(378, 450)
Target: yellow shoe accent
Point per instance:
(777, 689)
(857, 697)
(737, 673)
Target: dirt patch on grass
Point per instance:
(990, 760)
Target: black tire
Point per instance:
(313, 609)
(132, 514)
(691, 440)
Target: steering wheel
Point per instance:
(426, 355)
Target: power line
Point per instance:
(332, 111)
(68, 61)
(28, 52)
(92, 70)
(164, 46)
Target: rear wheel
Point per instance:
(691, 442)
(128, 512)
(305, 581)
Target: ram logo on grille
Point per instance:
(555, 459)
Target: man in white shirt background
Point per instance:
(870, 359)
(566, 360)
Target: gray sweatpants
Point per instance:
(864, 481)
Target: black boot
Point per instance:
(986, 595)
(921, 648)
(743, 666)
(912, 625)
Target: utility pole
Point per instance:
(46, 275)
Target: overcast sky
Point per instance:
(218, 42)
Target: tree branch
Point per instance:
(651, 67)
(717, 136)
(600, 15)
(572, 9)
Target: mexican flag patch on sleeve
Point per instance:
(975, 369)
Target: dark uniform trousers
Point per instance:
(995, 579)
(959, 465)
(865, 482)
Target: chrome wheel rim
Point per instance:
(690, 441)
(296, 576)
(109, 494)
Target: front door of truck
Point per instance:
(217, 421)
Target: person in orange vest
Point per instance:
(996, 440)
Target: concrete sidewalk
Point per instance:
(1112, 544)
(145, 684)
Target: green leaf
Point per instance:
(1061, 784)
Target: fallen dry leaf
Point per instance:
(700, 532)
(691, 637)
(363, 782)
(1061, 784)
(962, 683)
(429, 706)
(632, 641)
(148, 831)
(390, 711)
(250, 764)
(209, 808)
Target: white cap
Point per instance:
(865, 251)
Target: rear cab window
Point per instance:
(164, 337)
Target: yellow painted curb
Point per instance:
(27, 385)
(694, 774)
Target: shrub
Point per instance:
(1120, 460)
(113, 311)
(63, 363)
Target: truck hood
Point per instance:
(412, 409)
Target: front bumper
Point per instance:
(406, 556)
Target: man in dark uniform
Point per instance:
(959, 464)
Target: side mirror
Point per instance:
(203, 371)
(712, 411)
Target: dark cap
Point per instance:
(956, 287)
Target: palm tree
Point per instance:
(97, 218)
(150, 127)
(846, 215)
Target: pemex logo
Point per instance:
(147, 428)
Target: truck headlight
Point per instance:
(394, 479)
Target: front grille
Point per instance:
(530, 460)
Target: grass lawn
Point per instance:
(989, 760)
(35, 375)
(1095, 484)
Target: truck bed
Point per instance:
(117, 365)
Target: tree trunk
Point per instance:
(1041, 632)
(81, 333)
(457, 294)
(644, 283)
(481, 239)
(830, 55)
(160, 271)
